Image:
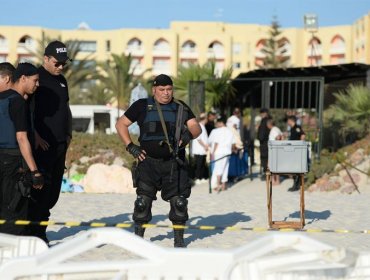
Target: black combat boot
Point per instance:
(139, 230)
(179, 238)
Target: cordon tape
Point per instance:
(201, 227)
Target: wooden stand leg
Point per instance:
(302, 200)
(285, 224)
(269, 197)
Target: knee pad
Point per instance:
(179, 209)
(142, 209)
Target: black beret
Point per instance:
(162, 80)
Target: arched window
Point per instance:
(285, 47)
(189, 46)
(338, 42)
(285, 51)
(134, 44)
(26, 41)
(337, 50)
(259, 54)
(314, 52)
(216, 47)
(161, 45)
(3, 41)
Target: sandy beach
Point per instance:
(243, 204)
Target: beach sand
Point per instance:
(243, 204)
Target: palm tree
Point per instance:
(217, 87)
(96, 94)
(117, 76)
(351, 111)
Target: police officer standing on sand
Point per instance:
(16, 159)
(166, 127)
(53, 133)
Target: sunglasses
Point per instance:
(58, 64)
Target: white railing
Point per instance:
(189, 53)
(274, 256)
(337, 50)
(161, 70)
(134, 51)
(317, 50)
(161, 52)
(214, 53)
(259, 54)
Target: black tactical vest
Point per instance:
(151, 129)
(8, 139)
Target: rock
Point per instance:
(102, 178)
(326, 183)
(357, 157)
(72, 170)
(118, 161)
(338, 167)
(348, 189)
(84, 160)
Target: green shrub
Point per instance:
(320, 167)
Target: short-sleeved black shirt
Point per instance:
(18, 110)
(51, 108)
(296, 132)
(137, 113)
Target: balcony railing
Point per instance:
(4, 48)
(218, 54)
(137, 70)
(161, 52)
(337, 50)
(134, 51)
(259, 54)
(315, 52)
(189, 53)
(161, 70)
(24, 48)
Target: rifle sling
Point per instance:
(163, 124)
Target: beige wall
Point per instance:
(238, 40)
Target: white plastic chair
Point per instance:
(274, 256)
(12, 246)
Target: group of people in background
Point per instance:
(220, 141)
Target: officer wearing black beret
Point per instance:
(18, 169)
(166, 126)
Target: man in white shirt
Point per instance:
(199, 149)
(222, 143)
(234, 120)
(275, 132)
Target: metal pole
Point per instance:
(321, 106)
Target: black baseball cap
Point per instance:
(162, 80)
(26, 69)
(58, 50)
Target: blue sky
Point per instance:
(113, 14)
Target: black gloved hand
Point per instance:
(134, 150)
(186, 137)
(37, 180)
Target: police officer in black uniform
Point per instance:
(53, 132)
(263, 136)
(296, 133)
(161, 156)
(16, 159)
